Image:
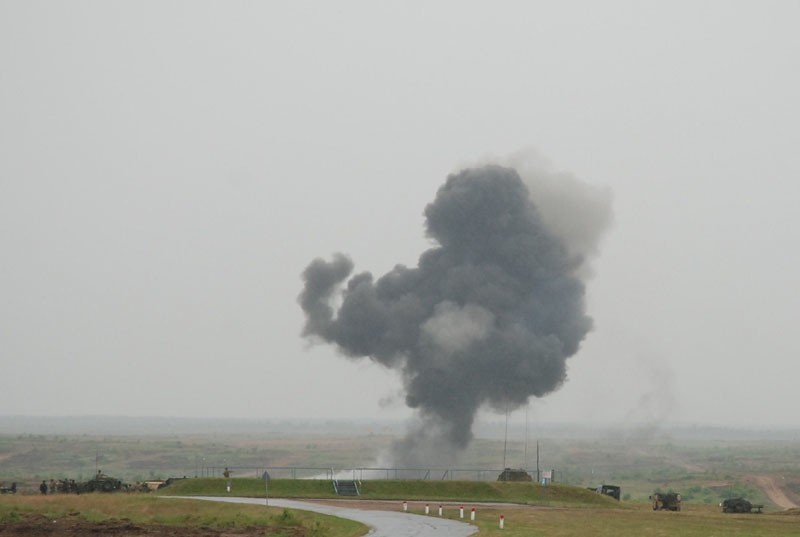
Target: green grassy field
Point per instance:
(450, 491)
(704, 466)
(556, 510)
(143, 509)
(560, 510)
(699, 521)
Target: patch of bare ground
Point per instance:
(41, 526)
(772, 489)
(790, 512)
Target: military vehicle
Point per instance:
(101, 483)
(739, 505)
(510, 474)
(608, 490)
(666, 501)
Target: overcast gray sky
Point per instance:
(168, 169)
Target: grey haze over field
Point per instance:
(168, 170)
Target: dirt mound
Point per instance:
(40, 526)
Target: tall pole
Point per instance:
(538, 477)
(526, 437)
(505, 441)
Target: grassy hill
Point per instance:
(448, 491)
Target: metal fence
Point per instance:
(364, 473)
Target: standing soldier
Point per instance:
(43, 487)
(227, 475)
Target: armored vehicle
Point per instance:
(102, 483)
(739, 505)
(666, 501)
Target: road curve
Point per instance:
(383, 523)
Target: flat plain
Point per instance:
(704, 464)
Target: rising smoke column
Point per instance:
(488, 317)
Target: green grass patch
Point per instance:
(148, 509)
(555, 511)
(698, 521)
(453, 491)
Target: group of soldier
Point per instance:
(100, 483)
(62, 485)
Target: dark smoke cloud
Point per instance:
(488, 317)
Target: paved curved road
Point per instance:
(383, 523)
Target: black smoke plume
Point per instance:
(488, 317)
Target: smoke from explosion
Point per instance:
(490, 314)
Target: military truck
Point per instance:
(739, 505)
(666, 501)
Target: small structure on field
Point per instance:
(510, 474)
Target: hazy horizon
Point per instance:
(487, 427)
